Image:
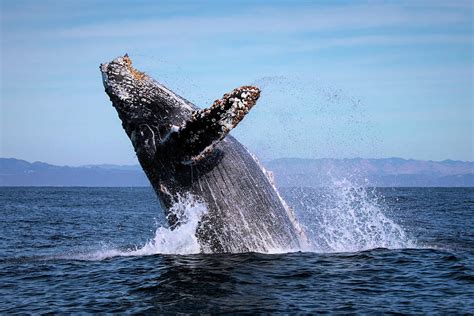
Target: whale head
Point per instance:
(140, 99)
(148, 110)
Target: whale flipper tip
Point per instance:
(198, 137)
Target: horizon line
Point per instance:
(263, 160)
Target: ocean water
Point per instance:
(401, 250)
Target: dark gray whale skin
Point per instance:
(186, 151)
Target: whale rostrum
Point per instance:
(185, 151)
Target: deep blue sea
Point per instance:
(399, 250)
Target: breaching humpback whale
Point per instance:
(185, 150)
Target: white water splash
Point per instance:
(348, 218)
(343, 218)
(182, 240)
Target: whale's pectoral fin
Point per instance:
(207, 127)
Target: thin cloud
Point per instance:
(261, 22)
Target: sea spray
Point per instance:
(308, 117)
(347, 218)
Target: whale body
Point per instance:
(186, 151)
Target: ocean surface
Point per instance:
(401, 250)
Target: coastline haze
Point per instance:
(288, 172)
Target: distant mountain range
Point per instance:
(386, 172)
(288, 172)
(15, 172)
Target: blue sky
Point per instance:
(340, 78)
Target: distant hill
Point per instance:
(15, 172)
(288, 172)
(386, 172)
